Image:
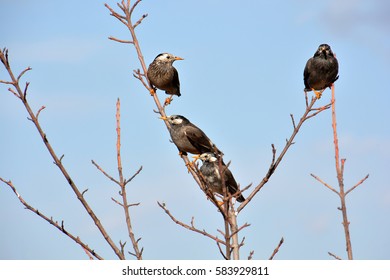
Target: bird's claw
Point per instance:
(318, 93)
(152, 92)
(168, 101)
(190, 166)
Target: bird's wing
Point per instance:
(198, 139)
(175, 82)
(231, 183)
(306, 73)
(175, 79)
(229, 180)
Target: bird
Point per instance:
(188, 138)
(321, 70)
(164, 76)
(212, 173)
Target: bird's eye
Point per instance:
(168, 57)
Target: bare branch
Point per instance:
(239, 229)
(57, 161)
(140, 20)
(120, 41)
(192, 228)
(39, 111)
(325, 184)
(250, 255)
(123, 182)
(6, 82)
(50, 221)
(276, 249)
(137, 74)
(116, 201)
(105, 173)
(133, 7)
(25, 91)
(84, 192)
(132, 177)
(358, 184)
(22, 73)
(221, 251)
(334, 256)
(293, 121)
(275, 162)
(340, 178)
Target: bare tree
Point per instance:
(21, 94)
(340, 178)
(227, 209)
(227, 239)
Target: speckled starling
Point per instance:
(163, 75)
(188, 138)
(213, 174)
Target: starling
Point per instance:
(321, 70)
(188, 138)
(164, 76)
(212, 174)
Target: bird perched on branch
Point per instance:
(212, 174)
(188, 138)
(321, 71)
(164, 76)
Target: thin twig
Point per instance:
(192, 228)
(250, 255)
(22, 73)
(140, 20)
(275, 161)
(132, 177)
(239, 229)
(50, 221)
(276, 249)
(105, 173)
(334, 256)
(340, 178)
(325, 184)
(120, 41)
(39, 111)
(123, 183)
(358, 184)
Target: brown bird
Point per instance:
(164, 76)
(321, 71)
(189, 138)
(213, 174)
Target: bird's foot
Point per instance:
(318, 93)
(168, 100)
(220, 203)
(190, 166)
(152, 91)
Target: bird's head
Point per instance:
(324, 51)
(176, 119)
(167, 58)
(206, 157)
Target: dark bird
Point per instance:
(164, 76)
(188, 138)
(212, 175)
(321, 70)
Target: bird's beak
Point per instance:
(178, 58)
(196, 157)
(163, 118)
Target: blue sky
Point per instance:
(240, 80)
